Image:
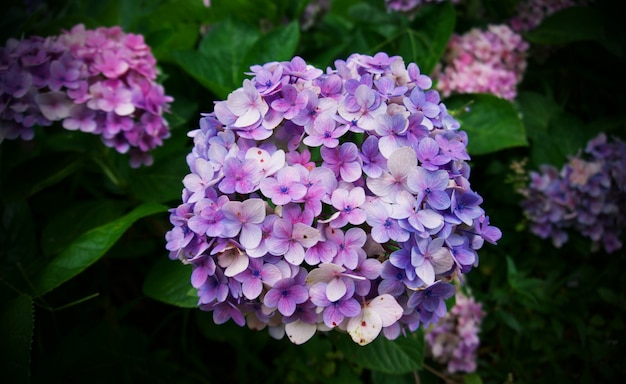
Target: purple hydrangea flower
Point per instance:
(586, 196)
(284, 295)
(335, 199)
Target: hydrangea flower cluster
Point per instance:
(98, 81)
(483, 61)
(455, 339)
(530, 13)
(335, 199)
(588, 195)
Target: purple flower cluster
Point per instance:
(98, 81)
(334, 199)
(454, 340)
(588, 195)
(530, 13)
(483, 61)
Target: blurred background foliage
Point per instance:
(87, 293)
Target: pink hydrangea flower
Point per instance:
(483, 61)
(454, 340)
(100, 81)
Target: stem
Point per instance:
(76, 302)
(109, 172)
(439, 374)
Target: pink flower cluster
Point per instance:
(98, 81)
(530, 13)
(588, 196)
(455, 339)
(483, 61)
(335, 199)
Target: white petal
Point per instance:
(300, 332)
(238, 264)
(335, 289)
(442, 260)
(382, 311)
(365, 327)
(401, 161)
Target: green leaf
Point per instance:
(569, 25)
(18, 244)
(218, 63)
(199, 66)
(492, 124)
(246, 11)
(554, 134)
(87, 249)
(510, 268)
(168, 40)
(40, 172)
(74, 220)
(607, 295)
(182, 111)
(161, 182)
(405, 354)
(129, 11)
(17, 234)
(173, 12)
(472, 378)
(368, 13)
(16, 333)
(171, 25)
(169, 281)
(277, 45)
(425, 44)
(510, 320)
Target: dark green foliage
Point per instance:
(88, 294)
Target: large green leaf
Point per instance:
(171, 25)
(16, 333)
(492, 124)
(40, 172)
(69, 223)
(277, 45)
(162, 182)
(169, 281)
(218, 63)
(472, 378)
(426, 41)
(554, 134)
(199, 66)
(169, 39)
(87, 249)
(405, 354)
(18, 243)
(368, 13)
